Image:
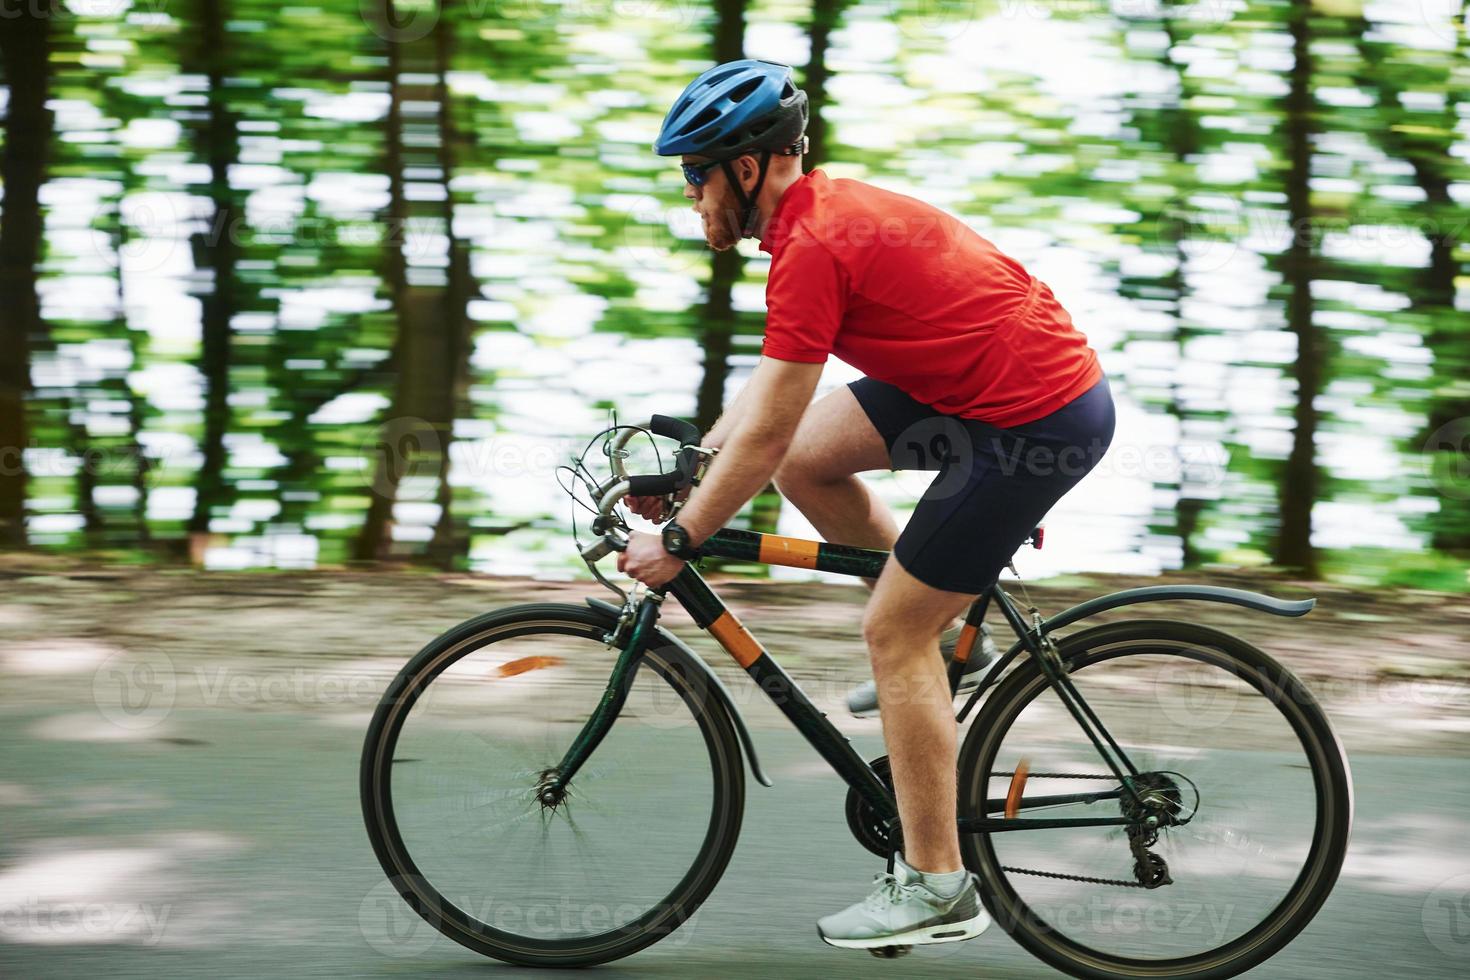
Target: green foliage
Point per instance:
(1258, 245)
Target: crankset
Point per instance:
(869, 828)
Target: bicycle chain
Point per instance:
(1085, 879)
(1120, 882)
(1062, 775)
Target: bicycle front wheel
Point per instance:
(463, 738)
(1238, 765)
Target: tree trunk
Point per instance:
(825, 16)
(1300, 478)
(1427, 150)
(414, 440)
(217, 249)
(718, 319)
(451, 535)
(1185, 140)
(25, 44)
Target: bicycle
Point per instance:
(542, 723)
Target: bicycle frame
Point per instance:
(710, 614)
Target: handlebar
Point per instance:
(688, 467)
(687, 433)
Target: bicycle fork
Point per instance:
(551, 788)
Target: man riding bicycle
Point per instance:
(973, 369)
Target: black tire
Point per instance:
(675, 667)
(1320, 745)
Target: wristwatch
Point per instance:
(676, 542)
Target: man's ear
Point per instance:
(747, 168)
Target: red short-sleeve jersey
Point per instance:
(910, 295)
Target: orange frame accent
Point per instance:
(731, 634)
(1018, 786)
(795, 552)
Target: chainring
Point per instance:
(869, 829)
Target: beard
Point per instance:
(722, 229)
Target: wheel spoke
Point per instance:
(1240, 778)
(555, 882)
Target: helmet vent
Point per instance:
(703, 119)
(742, 90)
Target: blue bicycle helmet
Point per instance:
(733, 109)
(739, 107)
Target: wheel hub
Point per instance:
(550, 792)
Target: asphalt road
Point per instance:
(228, 843)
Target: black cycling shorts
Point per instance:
(994, 484)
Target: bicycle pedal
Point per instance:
(890, 952)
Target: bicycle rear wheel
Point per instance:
(1225, 737)
(450, 773)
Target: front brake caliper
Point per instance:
(618, 635)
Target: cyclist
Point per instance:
(972, 369)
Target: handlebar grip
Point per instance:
(655, 486)
(671, 428)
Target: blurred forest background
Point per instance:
(301, 284)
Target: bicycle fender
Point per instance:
(1165, 593)
(1149, 593)
(716, 686)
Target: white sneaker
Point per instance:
(904, 911)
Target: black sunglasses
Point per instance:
(698, 173)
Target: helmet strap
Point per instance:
(748, 210)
